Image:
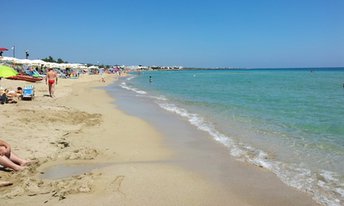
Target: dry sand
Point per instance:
(117, 159)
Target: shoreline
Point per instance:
(82, 125)
(197, 151)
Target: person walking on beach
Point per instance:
(51, 80)
(101, 73)
(9, 159)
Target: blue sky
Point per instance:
(261, 33)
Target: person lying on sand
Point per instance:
(5, 183)
(10, 160)
(6, 97)
(12, 94)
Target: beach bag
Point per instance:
(3, 99)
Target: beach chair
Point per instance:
(28, 93)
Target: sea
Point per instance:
(288, 121)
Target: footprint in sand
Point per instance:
(115, 185)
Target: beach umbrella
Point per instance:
(8, 59)
(2, 50)
(6, 71)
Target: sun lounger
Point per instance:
(28, 92)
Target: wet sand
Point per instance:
(123, 159)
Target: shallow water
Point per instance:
(61, 171)
(288, 121)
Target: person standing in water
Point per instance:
(51, 80)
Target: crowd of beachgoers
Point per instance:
(30, 73)
(62, 73)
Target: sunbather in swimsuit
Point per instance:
(51, 81)
(10, 160)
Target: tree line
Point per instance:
(51, 59)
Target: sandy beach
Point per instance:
(88, 152)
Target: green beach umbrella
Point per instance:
(6, 71)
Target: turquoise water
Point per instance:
(290, 122)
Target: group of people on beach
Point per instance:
(8, 159)
(8, 96)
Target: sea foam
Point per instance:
(293, 175)
(323, 185)
(125, 86)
